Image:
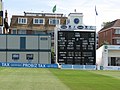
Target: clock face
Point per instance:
(76, 20)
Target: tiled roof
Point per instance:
(115, 23)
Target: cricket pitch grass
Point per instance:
(57, 79)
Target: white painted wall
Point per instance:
(44, 57)
(103, 54)
(3, 42)
(31, 42)
(44, 44)
(3, 56)
(13, 42)
(99, 56)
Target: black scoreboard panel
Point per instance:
(76, 47)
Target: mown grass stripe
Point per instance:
(86, 80)
(115, 74)
(29, 79)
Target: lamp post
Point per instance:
(1, 16)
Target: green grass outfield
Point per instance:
(57, 79)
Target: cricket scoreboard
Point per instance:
(76, 47)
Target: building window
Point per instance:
(22, 20)
(117, 31)
(22, 42)
(38, 21)
(113, 61)
(43, 38)
(29, 56)
(54, 21)
(15, 56)
(14, 31)
(118, 41)
(21, 31)
(39, 32)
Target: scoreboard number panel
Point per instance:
(76, 47)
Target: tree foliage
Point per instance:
(105, 24)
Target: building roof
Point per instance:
(76, 14)
(115, 23)
(30, 21)
(43, 14)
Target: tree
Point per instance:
(105, 24)
(105, 43)
(52, 56)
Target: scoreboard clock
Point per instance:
(76, 20)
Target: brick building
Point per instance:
(36, 23)
(110, 34)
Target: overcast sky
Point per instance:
(108, 10)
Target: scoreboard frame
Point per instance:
(76, 47)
